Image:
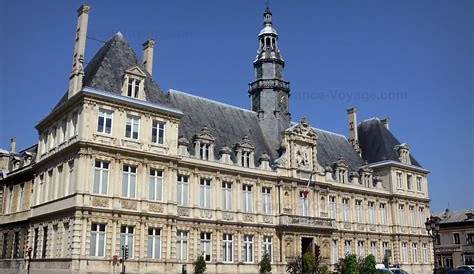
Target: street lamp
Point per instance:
(432, 227)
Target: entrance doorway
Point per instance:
(306, 245)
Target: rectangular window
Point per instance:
(205, 193)
(158, 132)
(131, 127)
(104, 121)
(371, 212)
(424, 246)
(421, 215)
(347, 247)
(206, 246)
(373, 249)
(101, 177)
(456, 240)
(383, 214)
(44, 249)
(247, 198)
(414, 252)
(63, 130)
(97, 245)
(248, 248)
(399, 180)
(268, 246)
(126, 240)
(346, 210)
(129, 181)
(332, 207)
(401, 214)
(304, 203)
(335, 252)
(35, 243)
(360, 249)
(183, 190)
(154, 243)
(409, 183)
(204, 150)
(155, 191)
(182, 246)
(267, 200)
(359, 211)
(227, 244)
(226, 196)
(412, 215)
(21, 196)
(404, 252)
(16, 245)
(418, 183)
(133, 87)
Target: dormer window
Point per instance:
(403, 153)
(245, 153)
(134, 82)
(341, 175)
(204, 145)
(341, 171)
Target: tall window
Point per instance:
(73, 131)
(63, 130)
(418, 183)
(347, 247)
(267, 200)
(409, 182)
(182, 246)
(205, 193)
(226, 196)
(456, 240)
(133, 87)
(101, 177)
(126, 239)
(371, 212)
(424, 246)
(97, 246)
(247, 198)
(206, 246)
(346, 210)
(335, 252)
(412, 215)
(401, 214)
(399, 180)
(414, 252)
(304, 203)
(154, 243)
(248, 248)
(384, 248)
(359, 211)
(268, 246)
(183, 190)
(21, 196)
(421, 216)
(383, 214)
(204, 150)
(245, 159)
(155, 192)
(332, 207)
(129, 181)
(341, 175)
(158, 132)
(360, 249)
(227, 244)
(45, 242)
(104, 121)
(404, 252)
(131, 127)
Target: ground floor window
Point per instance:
(154, 243)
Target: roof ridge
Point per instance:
(209, 100)
(330, 132)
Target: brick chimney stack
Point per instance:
(13, 145)
(385, 123)
(148, 55)
(353, 135)
(77, 73)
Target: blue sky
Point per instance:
(411, 61)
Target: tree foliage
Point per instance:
(199, 265)
(265, 264)
(368, 265)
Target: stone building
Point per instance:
(171, 175)
(454, 245)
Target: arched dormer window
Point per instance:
(366, 176)
(134, 83)
(245, 153)
(403, 151)
(204, 145)
(341, 171)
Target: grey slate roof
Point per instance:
(378, 143)
(449, 216)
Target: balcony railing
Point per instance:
(305, 221)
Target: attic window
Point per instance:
(133, 87)
(133, 83)
(204, 145)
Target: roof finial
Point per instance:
(267, 15)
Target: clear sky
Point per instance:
(411, 61)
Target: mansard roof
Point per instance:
(378, 143)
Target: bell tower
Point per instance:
(269, 92)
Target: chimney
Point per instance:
(148, 55)
(77, 73)
(353, 135)
(13, 145)
(385, 123)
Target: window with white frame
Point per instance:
(226, 196)
(248, 248)
(245, 159)
(63, 130)
(206, 246)
(383, 214)
(97, 241)
(359, 211)
(268, 246)
(456, 239)
(182, 245)
(341, 175)
(304, 203)
(421, 216)
(126, 239)
(412, 215)
(204, 150)
(227, 245)
(69, 177)
(104, 121)
(267, 200)
(73, 131)
(399, 180)
(424, 246)
(346, 210)
(132, 127)
(154, 243)
(373, 249)
(332, 207)
(21, 196)
(129, 181)
(414, 252)
(418, 183)
(384, 248)
(133, 87)
(360, 249)
(9, 209)
(205, 193)
(404, 252)
(183, 190)
(401, 214)
(347, 247)
(335, 252)
(158, 132)
(247, 198)
(409, 182)
(371, 206)
(101, 177)
(155, 191)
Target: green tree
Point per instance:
(348, 265)
(295, 265)
(310, 263)
(199, 265)
(265, 264)
(368, 265)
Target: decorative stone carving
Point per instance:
(182, 211)
(303, 128)
(100, 202)
(248, 218)
(129, 205)
(155, 208)
(228, 216)
(267, 219)
(306, 221)
(206, 214)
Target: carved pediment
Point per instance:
(136, 71)
(304, 129)
(204, 136)
(341, 163)
(245, 144)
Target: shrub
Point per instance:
(265, 264)
(368, 265)
(199, 265)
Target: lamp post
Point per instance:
(432, 227)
